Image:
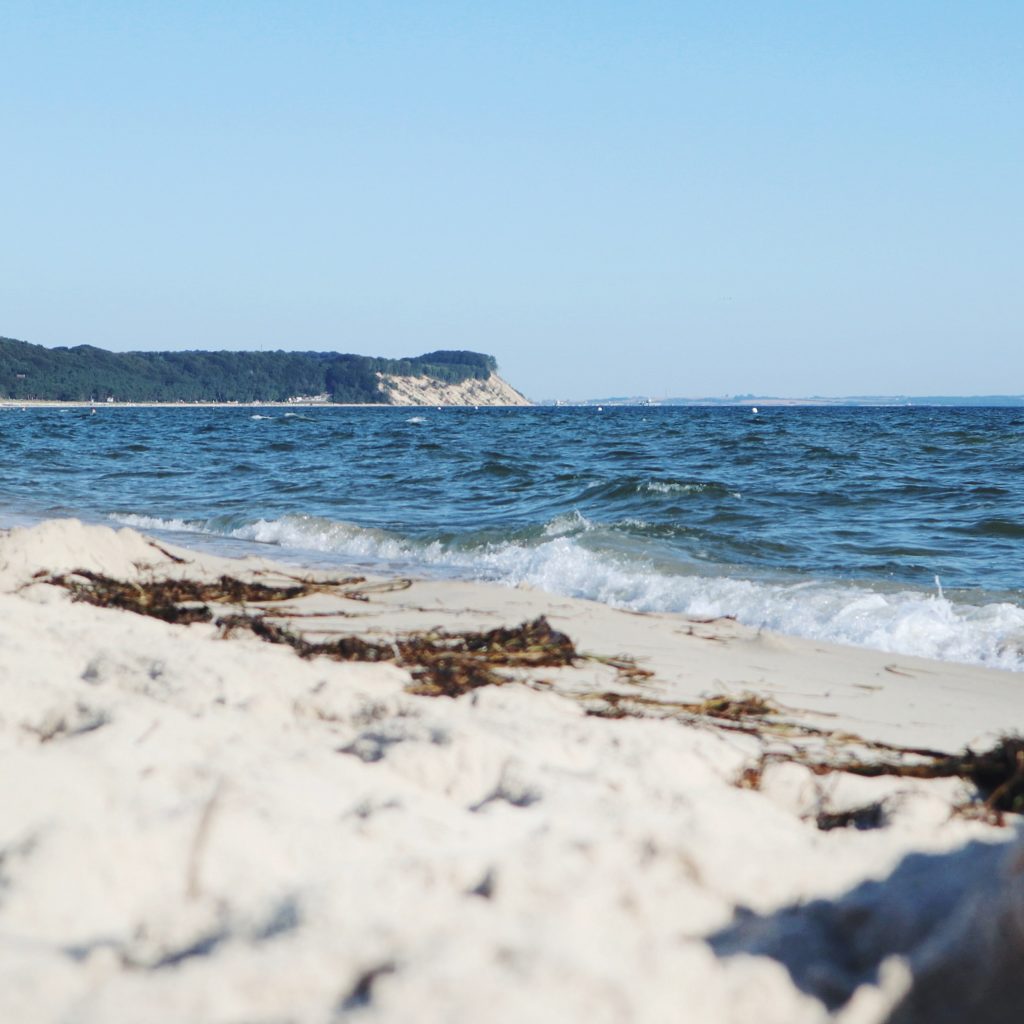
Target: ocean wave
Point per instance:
(313, 533)
(998, 528)
(572, 522)
(623, 490)
(688, 487)
(156, 523)
(565, 559)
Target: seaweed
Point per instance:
(869, 816)
(998, 774)
(447, 664)
(184, 601)
(441, 663)
(627, 668)
(752, 776)
(724, 707)
(170, 600)
(749, 705)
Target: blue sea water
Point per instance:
(895, 528)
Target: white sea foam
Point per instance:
(571, 523)
(674, 487)
(312, 533)
(155, 523)
(901, 621)
(906, 622)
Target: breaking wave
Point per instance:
(571, 555)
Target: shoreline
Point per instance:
(915, 607)
(11, 403)
(1004, 654)
(408, 392)
(300, 837)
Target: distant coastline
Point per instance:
(91, 376)
(301, 403)
(866, 401)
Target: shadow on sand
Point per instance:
(956, 919)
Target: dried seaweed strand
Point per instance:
(441, 663)
(184, 601)
(998, 773)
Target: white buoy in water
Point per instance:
(753, 409)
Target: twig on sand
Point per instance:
(167, 554)
(199, 841)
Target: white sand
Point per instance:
(208, 830)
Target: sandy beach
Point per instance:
(615, 817)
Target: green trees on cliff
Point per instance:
(85, 373)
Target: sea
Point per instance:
(896, 528)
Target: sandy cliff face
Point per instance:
(427, 391)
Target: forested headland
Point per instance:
(85, 373)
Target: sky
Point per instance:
(644, 198)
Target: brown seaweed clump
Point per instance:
(441, 663)
(735, 709)
(183, 601)
(998, 773)
(869, 816)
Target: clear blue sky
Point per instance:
(612, 198)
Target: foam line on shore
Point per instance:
(566, 558)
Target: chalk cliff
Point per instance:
(428, 391)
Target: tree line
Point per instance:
(86, 373)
